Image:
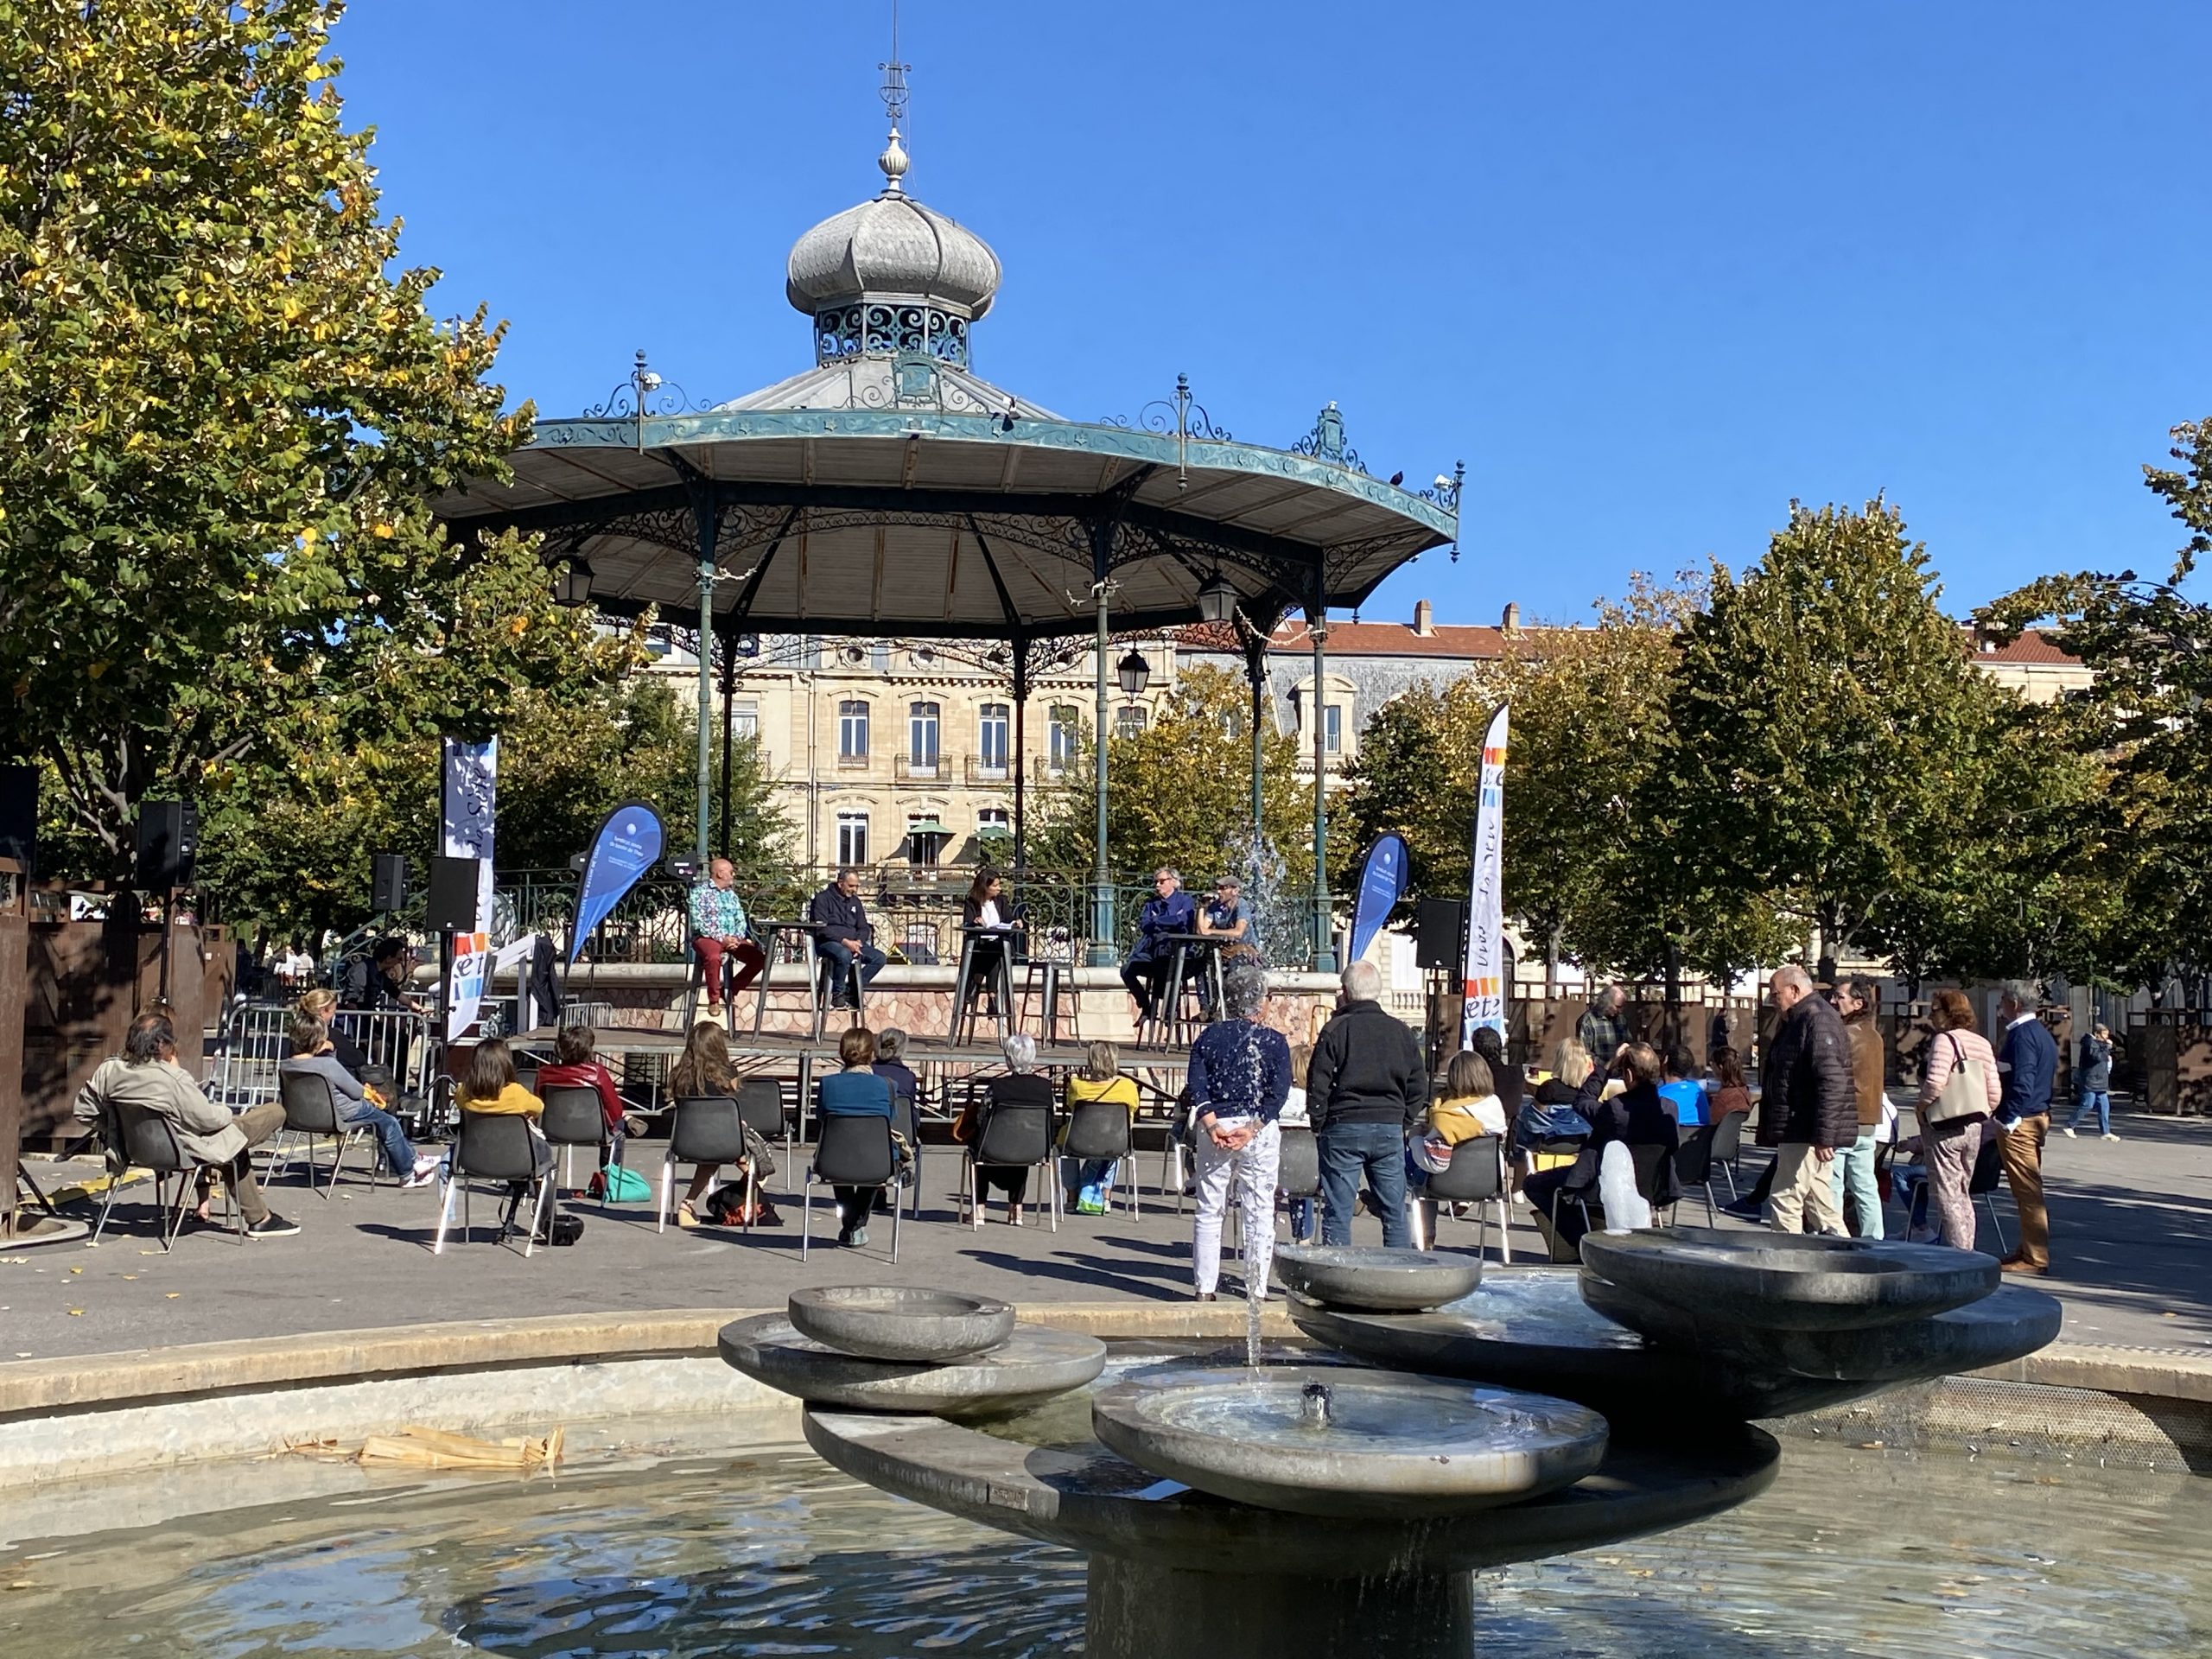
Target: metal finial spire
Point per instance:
(893, 94)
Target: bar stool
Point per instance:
(771, 933)
(968, 985)
(1043, 980)
(824, 993)
(1171, 1021)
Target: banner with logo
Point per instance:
(472, 969)
(1382, 879)
(468, 803)
(1485, 978)
(625, 847)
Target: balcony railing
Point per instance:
(938, 769)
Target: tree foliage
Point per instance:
(1179, 792)
(2142, 726)
(224, 405)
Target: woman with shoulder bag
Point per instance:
(1959, 1089)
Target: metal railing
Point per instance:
(256, 1041)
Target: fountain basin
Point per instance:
(1395, 1447)
(1779, 1281)
(1376, 1278)
(901, 1322)
(1033, 1365)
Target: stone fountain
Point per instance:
(1477, 1421)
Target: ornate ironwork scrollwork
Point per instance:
(644, 394)
(880, 328)
(1326, 442)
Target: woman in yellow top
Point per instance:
(1101, 1078)
(489, 1089)
(1470, 1106)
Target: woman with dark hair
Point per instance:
(489, 1089)
(702, 1070)
(1728, 1091)
(988, 919)
(1949, 1145)
(576, 1065)
(1506, 1079)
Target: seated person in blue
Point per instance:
(1635, 1118)
(1168, 912)
(1683, 1090)
(854, 1090)
(846, 937)
(313, 1056)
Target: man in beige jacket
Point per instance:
(145, 1077)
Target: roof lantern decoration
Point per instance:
(892, 276)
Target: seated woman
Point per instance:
(1551, 1114)
(576, 1066)
(313, 1055)
(1467, 1107)
(489, 1089)
(702, 1071)
(1022, 1087)
(986, 908)
(323, 1004)
(1635, 1118)
(1505, 1078)
(891, 1063)
(1101, 1078)
(1726, 1091)
(854, 1090)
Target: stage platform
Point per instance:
(796, 1048)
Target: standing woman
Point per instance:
(1949, 1145)
(1240, 1076)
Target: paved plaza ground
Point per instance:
(2131, 1228)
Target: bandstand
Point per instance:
(890, 491)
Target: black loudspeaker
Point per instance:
(450, 905)
(388, 883)
(19, 816)
(169, 842)
(1440, 934)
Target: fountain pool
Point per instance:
(671, 1542)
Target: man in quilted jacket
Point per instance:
(1809, 1105)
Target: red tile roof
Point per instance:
(2030, 647)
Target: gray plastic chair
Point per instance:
(574, 1118)
(1013, 1133)
(311, 1109)
(149, 1141)
(1100, 1129)
(760, 1108)
(702, 1130)
(496, 1146)
(1476, 1176)
(854, 1150)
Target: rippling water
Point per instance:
(1852, 1552)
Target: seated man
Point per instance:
(146, 1078)
(315, 1055)
(1169, 910)
(846, 937)
(718, 938)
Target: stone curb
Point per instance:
(150, 1376)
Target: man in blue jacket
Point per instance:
(1169, 910)
(2027, 1064)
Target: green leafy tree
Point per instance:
(1180, 792)
(1830, 741)
(2141, 737)
(224, 405)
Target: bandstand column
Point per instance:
(708, 527)
(1317, 625)
(1021, 749)
(1101, 880)
(1255, 671)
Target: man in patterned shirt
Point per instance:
(718, 930)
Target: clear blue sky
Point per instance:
(1652, 270)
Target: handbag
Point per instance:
(615, 1185)
(1964, 1092)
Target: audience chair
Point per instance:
(853, 1151)
(1012, 1135)
(1728, 1146)
(139, 1137)
(496, 1146)
(1694, 1164)
(702, 1130)
(905, 1119)
(572, 1118)
(1476, 1176)
(311, 1109)
(1100, 1129)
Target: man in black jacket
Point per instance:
(846, 936)
(1809, 1105)
(1366, 1089)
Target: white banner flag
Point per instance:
(470, 807)
(1484, 979)
(472, 963)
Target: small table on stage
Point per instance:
(1194, 954)
(808, 932)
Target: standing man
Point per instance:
(1601, 1029)
(846, 937)
(718, 939)
(1855, 999)
(1808, 1107)
(2027, 1064)
(1366, 1089)
(1169, 910)
(2095, 1069)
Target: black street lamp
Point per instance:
(1134, 672)
(1217, 599)
(573, 586)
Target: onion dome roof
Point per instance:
(892, 248)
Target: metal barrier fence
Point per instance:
(254, 1041)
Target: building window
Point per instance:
(1130, 721)
(921, 736)
(745, 721)
(991, 734)
(1332, 728)
(1062, 738)
(852, 731)
(993, 819)
(852, 838)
